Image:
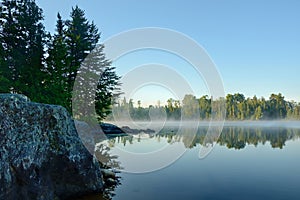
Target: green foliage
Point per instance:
(190, 107)
(44, 68)
(4, 84)
(205, 107)
(237, 108)
(49, 77)
(107, 89)
(173, 109)
(56, 70)
(81, 38)
(22, 40)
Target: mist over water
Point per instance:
(175, 123)
(251, 160)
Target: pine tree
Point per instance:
(81, 38)
(107, 92)
(84, 52)
(96, 86)
(11, 47)
(4, 82)
(23, 39)
(24, 68)
(56, 69)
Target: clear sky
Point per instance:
(255, 44)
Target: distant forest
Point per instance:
(237, 108)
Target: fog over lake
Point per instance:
(250, 160)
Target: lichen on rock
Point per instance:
(42, 156)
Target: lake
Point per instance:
(254, 160)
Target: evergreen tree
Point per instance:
(4, 82)
(22, 40)
(96, 86)
(81, 38)
(84, 52)
(107, 92)
(56, 81)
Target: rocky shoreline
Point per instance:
(42, 156)
(109, 129)
(47, 155)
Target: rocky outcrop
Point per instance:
(89, 134)
(42, 156)
(126, 129)
(110, 129)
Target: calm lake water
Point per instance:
(249, 161)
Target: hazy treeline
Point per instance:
(43, 66)
(237, 108)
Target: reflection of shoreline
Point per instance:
(110, 166)
(247, 123)
(232, 137)
(237, 137)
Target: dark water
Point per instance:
(248, 162)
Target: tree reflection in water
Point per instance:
(109, 162)
(232, 137)
(237, 137)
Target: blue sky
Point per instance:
(255, 44)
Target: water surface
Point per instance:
(248, 162)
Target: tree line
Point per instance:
(237, 107)
(44, 66)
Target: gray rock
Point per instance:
(110, 182)
(41, 155)
(111, 129)
(108, 173)
(89, 135)
(127, 129)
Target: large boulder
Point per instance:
(41, 155)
